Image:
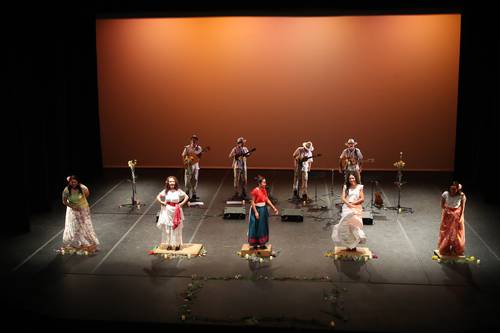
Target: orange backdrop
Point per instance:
(391, 82)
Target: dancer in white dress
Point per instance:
(171, 218)
(349, 231)
(79, 234)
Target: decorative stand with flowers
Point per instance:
(135, 203)
(399, 183)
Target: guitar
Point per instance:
(191, 159)
(378, 200)
(304, 159)
(346, 162)
(237, 156)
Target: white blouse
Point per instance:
(172, 196)
(306, 166)
(452, 201)
(354, 194)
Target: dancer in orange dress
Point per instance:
(452, 232)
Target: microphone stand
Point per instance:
(371, 202)
(135, 203)
(243, 196)
(295, 198)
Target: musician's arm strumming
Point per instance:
(232, 153)
(198, 151)
(341, 161)
(296, 155)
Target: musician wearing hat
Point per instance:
(191, 156)
(302, 157)
(239, 155)
(350, 160)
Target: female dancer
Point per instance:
(78, 233)
(349, 231)
(452, 232)
(258, 228)
(171, 218)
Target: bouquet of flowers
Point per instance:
(400, 164)
(132, 164)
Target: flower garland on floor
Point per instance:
(458, 260)
(333, 297)
(84, 251)
(361, 258)
(256, 258)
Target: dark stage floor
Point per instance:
(402, 290)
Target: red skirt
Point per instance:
(452, 232)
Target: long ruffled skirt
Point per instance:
(258, 229)
(79, 232)
(452, 232)
(349, 231)
(169, 235)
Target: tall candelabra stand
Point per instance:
(399, 183)
(134, 202)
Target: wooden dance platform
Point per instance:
(444, 257)
(341, 253)
(247, 249)
(188, 249)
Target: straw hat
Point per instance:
(308, 145)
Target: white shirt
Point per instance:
(172, 196)
(306, 166)
(452, 201)
(353, 194)
(302, 153)
(241, 162)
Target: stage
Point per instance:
(400, 289)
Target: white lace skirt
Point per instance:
(78, 230)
